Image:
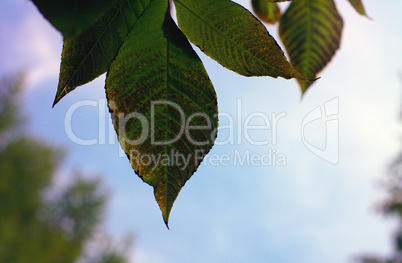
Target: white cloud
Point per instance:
(32, 45)
(43, 52)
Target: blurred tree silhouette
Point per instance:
(36, 223)
(392, 206)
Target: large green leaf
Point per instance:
(231, 35)
(88, 55)
(158, 90)
(311, 32)
(72, 17)
(266, 11)
(358, 5)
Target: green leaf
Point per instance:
(157, 89)
(358, 5)
(231, 35)
(311, 32)
(266, 11)
(88, 55)
(72, 17)
(277, 1)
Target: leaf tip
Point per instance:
(164, 206)
(56, 100)
(59, 95)
(165, 215)
(312, 80)
(305, 84)
(166, 222)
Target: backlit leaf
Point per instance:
(358, 5)
(311, 32)
(266, 11)
(72, 17)
(158, 91)
(231, 35)
(88, 55)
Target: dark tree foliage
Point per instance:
(36, 226)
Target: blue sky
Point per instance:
(306, 211)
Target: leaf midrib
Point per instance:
(167, 211)
(309, 35)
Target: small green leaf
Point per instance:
(358, 5)
(311, 32)
(158, 91)
(266, 11)
(88, 55)
(72, 17)
(231, 35)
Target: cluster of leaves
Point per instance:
(34, 226)
(310, 31)
(148, 58)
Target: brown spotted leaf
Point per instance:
(164, 104)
